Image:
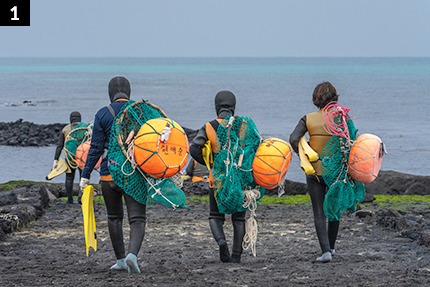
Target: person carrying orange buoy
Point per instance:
(225, 104)
(119, 93)
(75, 119)
(322, 139)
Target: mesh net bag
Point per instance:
(234, 153)
(122, 167)
(343, 192)
(79, 134)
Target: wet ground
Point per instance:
(179, 250)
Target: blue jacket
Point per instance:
(100, 139)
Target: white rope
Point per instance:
(165, 133)
(88, 133)
(130, 158)
(134, 166)
(250, 202)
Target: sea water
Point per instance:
(388, 97)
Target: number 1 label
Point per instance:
(15, 13)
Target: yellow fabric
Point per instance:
(89, 219)
(62, 166)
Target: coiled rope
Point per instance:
(251, 227)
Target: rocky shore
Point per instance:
(42, 244)
(22, 133)
(46, 247)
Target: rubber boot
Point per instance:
(131, 261)
(120, 265)
(69, 189)
(218, 233)
(239, 233)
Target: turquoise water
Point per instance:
(388, 96)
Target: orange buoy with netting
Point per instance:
(82, 153)
(271, 162)
(365, 158)
(161, 147)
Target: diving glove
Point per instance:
(84, 183)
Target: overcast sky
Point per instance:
(222, 28)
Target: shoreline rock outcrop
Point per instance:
(22, 205)
(22, 133)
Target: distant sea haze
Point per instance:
(388, 97)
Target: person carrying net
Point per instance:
(331, 133)
(75, 119)
(225, 104)
(119, 94)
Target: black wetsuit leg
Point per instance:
(216, 222)
(70, 177)
(238, 220)
(213, 210)
(317, 189)
(333, 228)
(113, 198)
(137, 219)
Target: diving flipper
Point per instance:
(304, 160)
(62, 166)
(309, 152)
(207, 155)
(89, 219)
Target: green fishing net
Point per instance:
(343, 192)
(136, 183)
(234, 153)
(79, 134)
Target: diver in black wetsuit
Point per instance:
(119, 93)
(225, 103)
(318, 138)
(75, 119)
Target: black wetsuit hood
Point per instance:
(75, 117)
(119, 87)
(225, 103)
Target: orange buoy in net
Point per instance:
(161, 147)
(271, 162)
(365, 158)
(82, 153)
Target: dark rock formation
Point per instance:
(396, 183)
(21, 133)
(22, 205)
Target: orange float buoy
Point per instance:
(161, 147)
(82, 153)
(271, 162)
(365, 158)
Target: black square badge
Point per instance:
(14, 12)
